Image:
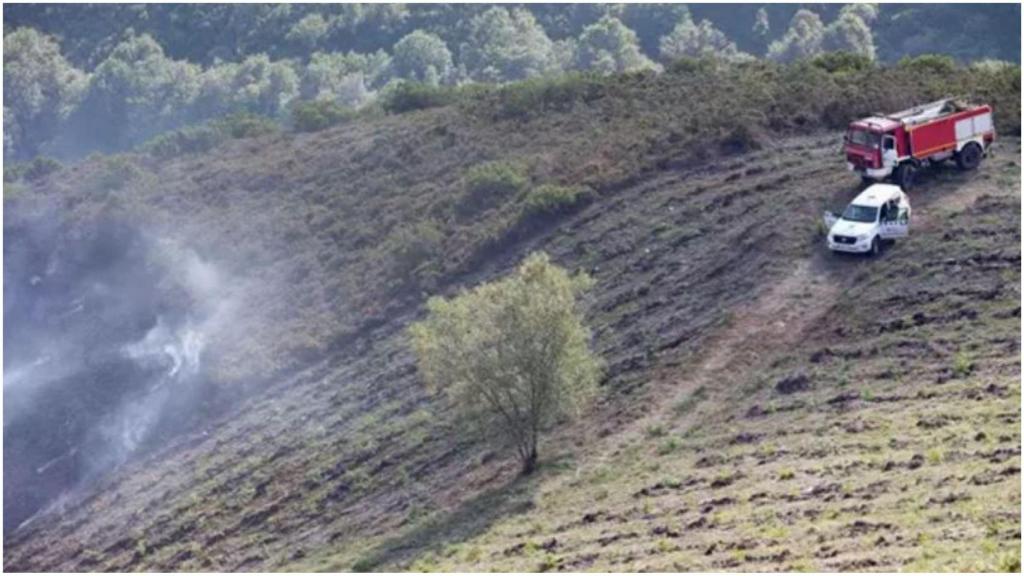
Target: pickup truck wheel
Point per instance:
(876, 247)
(969, 157)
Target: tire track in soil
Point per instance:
(765, 327)
(778, 318)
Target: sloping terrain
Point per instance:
(766, 405)
(856, 415)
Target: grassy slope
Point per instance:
(901, 450)
(342, 463)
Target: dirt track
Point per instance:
(698, 288)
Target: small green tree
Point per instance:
(423, 57)
(692, 40)
(849, 33)
(802, 40)
(608, 46)
(504, 45)
(40, 90)
(513, 354)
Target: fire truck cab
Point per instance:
(896, 146)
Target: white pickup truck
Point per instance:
(879, 214)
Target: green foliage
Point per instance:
(932, 63)
(423, 57)
(842, 62)
(246, 125)
(762, 26)
(256, 85)
(608, 46)
(319, 114)
(506, 44)
(40, 90)
(405, 96)
(668, 446)
(13, 171)
(802, 40)
(552, 199)
(365, 564)
(116, 172)
(344, 78)
(38, 168)
(691, 40)
(529, 98)
(308, 32)
(687, 65)
(489, 184)
(134, 93)
(512, 354)
(655, 431)
(962, 365)
(188, 140)
(201, 138)
(415, 252)
(850, 33)
(1009, 563)
(131, 72)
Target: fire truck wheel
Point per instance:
(969, 157)
(905, 176)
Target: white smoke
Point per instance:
(171, 350)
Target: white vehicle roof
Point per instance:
(877, 194)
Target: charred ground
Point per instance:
(766, 405)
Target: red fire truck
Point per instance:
(896, 146)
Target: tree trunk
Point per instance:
(530, 462)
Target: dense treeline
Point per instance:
(108, 77)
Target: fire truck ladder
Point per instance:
(928, 112)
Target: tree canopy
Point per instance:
(609, 46)
(512, 354)
(122, 73)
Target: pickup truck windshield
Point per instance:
(856, 213)
(864, 138)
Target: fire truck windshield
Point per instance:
(864, 138)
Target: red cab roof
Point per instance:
(875, 124)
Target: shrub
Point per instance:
(655, 431)
(668, 446)
(116, 172)
(319, 114)
(529, 98)
(935, 63)
(13, 171)
(188, 140)
(415, 252)
(513, 354)
(552, 199)
(487, 185)
(962, 365)
(842, 62)
(407, 96)
(39, 167)
(246, 125)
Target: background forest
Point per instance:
(82, 78)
